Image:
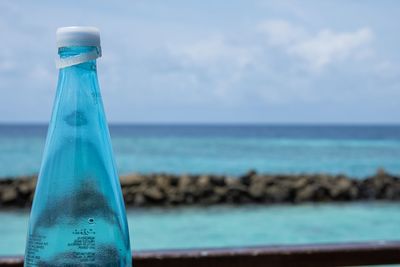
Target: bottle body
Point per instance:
(78, 215)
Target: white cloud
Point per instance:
(328, 46)
(281, 32)
(41, 74)
(233, 70)
(320, 49)
(214, 50)
(216, 60)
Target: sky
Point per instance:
(212, 61)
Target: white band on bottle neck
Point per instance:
(78, 59)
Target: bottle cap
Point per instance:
(78, 36)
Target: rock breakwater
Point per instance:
(171, 190)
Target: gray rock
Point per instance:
(256, 190)
(165, 189)
(153, 194)
(139, 200)
(134, 179)
(9, 195)
(277, 194)
(246, 179)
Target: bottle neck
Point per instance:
(78, 100)
(71, 53)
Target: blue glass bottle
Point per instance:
(78, 215)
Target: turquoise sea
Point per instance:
(238, 226)
(231, 149)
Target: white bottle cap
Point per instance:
(78, 36)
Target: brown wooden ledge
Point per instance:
(346, 254)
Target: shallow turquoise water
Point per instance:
(223, 226)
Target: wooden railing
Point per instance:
(349, 254)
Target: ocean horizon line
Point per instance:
(222, 124)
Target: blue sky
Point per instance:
(213, 61)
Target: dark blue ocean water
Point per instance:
(229, 149)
